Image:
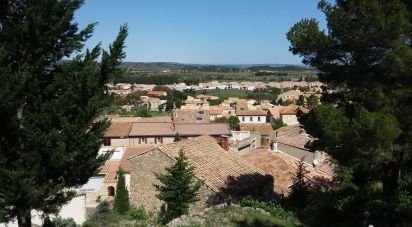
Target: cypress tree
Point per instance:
(178, 188)
(177, 137)
(50, 134)
(121, 201)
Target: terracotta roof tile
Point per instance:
(264, 129)
(118, 129)
(130, 153)
(189, 129)
(293, 109)
(213, 165)
(283, 169)
(251, 113)
(110, 169)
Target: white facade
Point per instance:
(252, 119)
(290, 119)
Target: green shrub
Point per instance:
(137, 214)
(274, 209)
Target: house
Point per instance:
(207, 97)
(220, 111)
(251, 116)
(283, 168)
(164, 133)
(291, 95)
(157, 93)
(191, 116)
(261, 128)
(103, 185)
(274, 113)
(222, 173)
(289, 114)
(244, 141)
(131, 134)
(151, 103)
(195, 103)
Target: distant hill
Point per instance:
(161, 66)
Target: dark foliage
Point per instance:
(178, 189)
(49, 137)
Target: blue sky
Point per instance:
(200, 31)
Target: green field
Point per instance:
(224, 94)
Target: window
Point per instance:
(201, 112)
(199, 118)
(110, 191)
(243, 118)
(158, 140)
(258, 118)
(106, 142)
(251, 118)
(142, 140)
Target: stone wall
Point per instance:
(142, 181)
(142, 178)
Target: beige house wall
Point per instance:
(119, 142)
(290, 119)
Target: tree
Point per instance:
(121, 201)
(49, 108)
(234, 123)
(278, 123)
(312, 102)
(301, 100)
(178, 188)
(177, 137)
(363, 58)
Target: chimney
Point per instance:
(274, 146)
(265, 142)
(224, 142)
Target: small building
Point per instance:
(283, 168)
(291, 95)
(289, 114)
(274, 113)
(191, 116)
(261, 128)
(157, 93)
(224, 174)
(251, 116)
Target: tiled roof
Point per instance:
(212, 164)
(283, 168)
(132, 152)
(275, 111)
(110, 169)
(157, 93)
(118, 129)
(251, 113)
(263, 129)
(292, 109)
(114, 118)
(293, 135)
(189, 129)
(191, 116)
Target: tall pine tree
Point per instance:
(366, 125)
(121, 201)
(178, 188)
(50, 133)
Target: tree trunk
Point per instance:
(24, 218)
